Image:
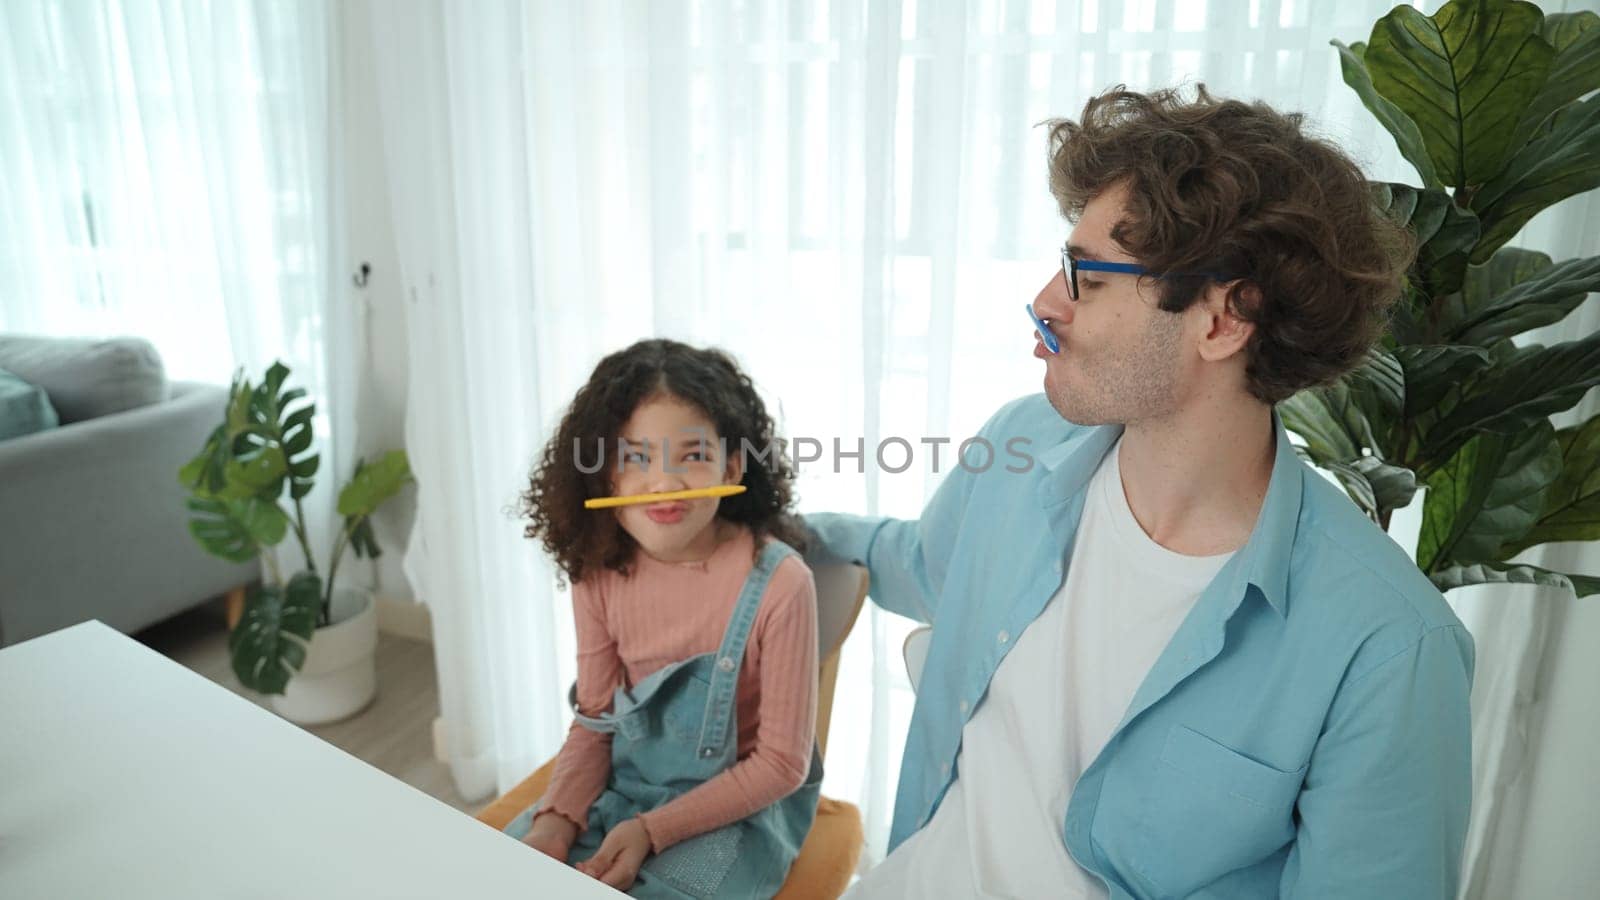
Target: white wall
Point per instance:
(369, 238)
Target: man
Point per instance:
(1170, 660)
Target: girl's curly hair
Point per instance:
(1238, 188)
(583, 541)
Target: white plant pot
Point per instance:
(340, 675)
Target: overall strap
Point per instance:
(601, 723)
(730, 656)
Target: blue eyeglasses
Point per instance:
(1071, 265)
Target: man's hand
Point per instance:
(621, 853)
(552, 835)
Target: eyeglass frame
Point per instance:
(1071, 265)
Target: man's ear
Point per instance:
(1224, 330)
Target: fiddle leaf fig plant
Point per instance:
(1486, 99)
(256, 458)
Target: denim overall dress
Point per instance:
(674, 730)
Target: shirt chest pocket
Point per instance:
(1207, 810)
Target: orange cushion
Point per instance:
(821, 871)
(828, 857)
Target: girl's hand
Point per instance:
(552, 835)
(621, 853)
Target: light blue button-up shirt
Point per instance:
(1305, 733)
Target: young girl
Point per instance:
(690, 769)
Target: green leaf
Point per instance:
(1370, 399)
(206, 472)
(1393, 118)
(1358, 411)
(373, 484)
(277, 373)
(1572, 505)
(1350, 478)
(1524, 388)
(265, 520)
(1433, 370)
(218, 532)
(238, 416)
(1446, 234)
(1554, 166)
(1327, 440)
(297, 430)
(269, 644)
(1342, 420)
(299, 419)
(1515, 291)
(236, 530)
(363, 540)
(1504, 573)
(1377, 487)
(299, 443)
(259, 475)
(1392, 486)
(1562, 31)
(192, 473)
(1489, 493)
(1409, 321)
(264, 410)
(301, 472)
(1380, 382)
(1459, 313)
(1576, 70)
(1464, 75)
(297, 440)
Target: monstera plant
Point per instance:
(238, 481)
(1485, 100)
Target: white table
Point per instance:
(124, 775)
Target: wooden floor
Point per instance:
(394, 734)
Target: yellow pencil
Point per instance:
(721, 490)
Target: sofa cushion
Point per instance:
(88, 377)
(24, 408)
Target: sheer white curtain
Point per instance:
(453, 98)
(849, 196)
(167, 170)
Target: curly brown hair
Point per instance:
(582, 541)
(1236, 188)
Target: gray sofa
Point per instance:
(92, 517)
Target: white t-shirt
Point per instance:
(1049, 710)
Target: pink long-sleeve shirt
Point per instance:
(630, 626)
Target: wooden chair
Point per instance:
(831, 850)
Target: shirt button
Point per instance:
(964, 707)
(706, 752)
(944, 769)
(725, 664)
(1003, 636)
